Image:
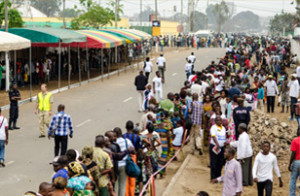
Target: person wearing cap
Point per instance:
(14, 96)
(294, 93)
(59, 166)
(161, 65)
(140, 82)
(272, 91)
(60, 124)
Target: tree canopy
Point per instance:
(14, 17)
(221, 12)
(281, 21)
(245, 21)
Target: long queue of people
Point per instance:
(213, 108)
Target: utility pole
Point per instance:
(156, 12)
(141, 10)
(116, 13)
(181, 13)
(6, 53)
(63, 12)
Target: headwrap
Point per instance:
(76, 168)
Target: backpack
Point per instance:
(132, 170)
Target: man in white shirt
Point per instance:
(298, 73)
(262, 170)
(147, 68)
(161, 65)
(191, 58)
(198, 89)
(272, 91)
(124, 144)
(294, 93)
(188, 69)
(157, 86)
(244, 154)
(130, 55)
(3, 138)
(219, 83)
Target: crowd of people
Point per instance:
(211, 112)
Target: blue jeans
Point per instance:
(298, 120)
(2, 150)
(293, 102)
(295, 174)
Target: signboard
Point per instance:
(155, 28)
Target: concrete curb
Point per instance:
(65, 88)
(178, 173)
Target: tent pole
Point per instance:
(109, 62)
(59, 65)
(116, 56)
(69, 66)
(6, 71)
(102, 67)
(125, 48)
(30, 73)
(15, 66)
(79, 68)
(87, 62)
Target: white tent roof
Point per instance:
(140, 33)
(10, 41)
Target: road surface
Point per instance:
(95, 108)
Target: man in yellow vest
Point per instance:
(44, 108)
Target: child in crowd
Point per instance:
(260, 97)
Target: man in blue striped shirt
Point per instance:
(60, 124)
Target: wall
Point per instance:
(168, 27)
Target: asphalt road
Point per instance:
(95, 108)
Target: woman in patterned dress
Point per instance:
(231, 127)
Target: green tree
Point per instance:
(48, 7)
(221, 12)
(200, 21)
(281, 21)
(245, 21)
(95, 17)
(14, 17)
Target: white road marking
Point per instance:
(128, 99)
(174, 74)
(10, 162)
(83, 123)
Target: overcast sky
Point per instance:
(165, 7)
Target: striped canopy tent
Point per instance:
(98, 39)
(48, 37)
(143, 34)
(129, 37)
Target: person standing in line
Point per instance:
(294, 93)
(148, 68)
(284, 92)
(161, 65)
(272, 90)
(3, 138)
(232, 177)
(104, 163)
(196, 111)
(216, 148)
(260, 97)
(262, 170)
(14, 96)
(294, 165)
(157, 86)
(125, 144)
(60, 124)
(44, 108)
(244, 154)
(140, 82)
(298, 73)
(240, 114)
(191, 58)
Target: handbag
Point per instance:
(132, 170)
(52, 132)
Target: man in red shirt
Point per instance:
(294, 166)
